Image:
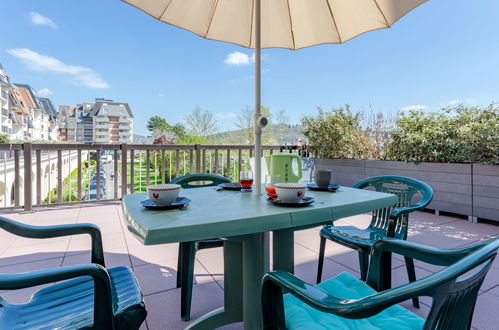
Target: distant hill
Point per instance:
(275, 134)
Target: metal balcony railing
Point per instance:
(34, 175)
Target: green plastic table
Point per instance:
(244, 220)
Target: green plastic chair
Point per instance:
(346, 302)
(391, 222)
(90, 296)
(187, 250)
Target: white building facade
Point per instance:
(103, 121)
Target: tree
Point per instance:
(201, 122)
(164, 136)
(4, 138)
(245, 121)
(282, 118)
(157, 123)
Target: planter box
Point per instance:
(466, 189)
(486, 191)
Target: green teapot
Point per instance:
(287, 165)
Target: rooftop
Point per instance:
(155, 266)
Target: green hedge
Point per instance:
(454, 134)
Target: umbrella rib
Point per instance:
(291, 26)
(381, 12)
(164, 10)
(211, 19)
(334, 21)
(251, 26)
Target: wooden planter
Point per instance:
(466, 189)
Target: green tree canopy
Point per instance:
(157, 123)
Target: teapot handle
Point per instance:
(300, 171)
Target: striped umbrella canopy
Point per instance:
(290, 24)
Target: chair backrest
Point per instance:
(405, 189)
(197, 180)
(454, 289)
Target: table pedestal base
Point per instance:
(244, 265)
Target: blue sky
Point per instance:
(444, 52)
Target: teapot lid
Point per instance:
(284, 154)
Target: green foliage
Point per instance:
(336, 134)
(458, 134)
(157, 123)
(190, 139)
(4, 138)
(70, 184)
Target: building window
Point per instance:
(5, 112)
(5, 129)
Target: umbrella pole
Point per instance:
(258, 129)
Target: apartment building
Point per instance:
(23, 114)
(5, 122)
(42, 114)
(103, 121)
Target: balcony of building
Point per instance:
(130, 168)
(155, 266)
(101, 119)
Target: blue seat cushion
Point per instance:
(301, 316)
(69, 304)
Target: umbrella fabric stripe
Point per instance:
(291, 24)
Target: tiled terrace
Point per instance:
(155, 266)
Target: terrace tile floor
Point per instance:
(155, 266)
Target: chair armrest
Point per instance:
(398, 212)
(428, 254)
(103, 301)
(30, 231)
(273, 309)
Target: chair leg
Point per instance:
(364, 265)
(411, 273)
(187, 274)
(322, 249)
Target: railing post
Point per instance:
(239, 163)
(97, 173)
(198, 158)
(59, 176)
(177, 162)
(16, 178)
(132, 171)
(115, 168)
(190, 161)
(28, 206)
(228, 163)
(215, 170)
(148, 165)
(78, 179)
(203, 166)
(163, 167)
(123, 170)
(39, 176)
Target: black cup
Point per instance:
(322, 178)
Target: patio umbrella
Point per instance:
(291, 24)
